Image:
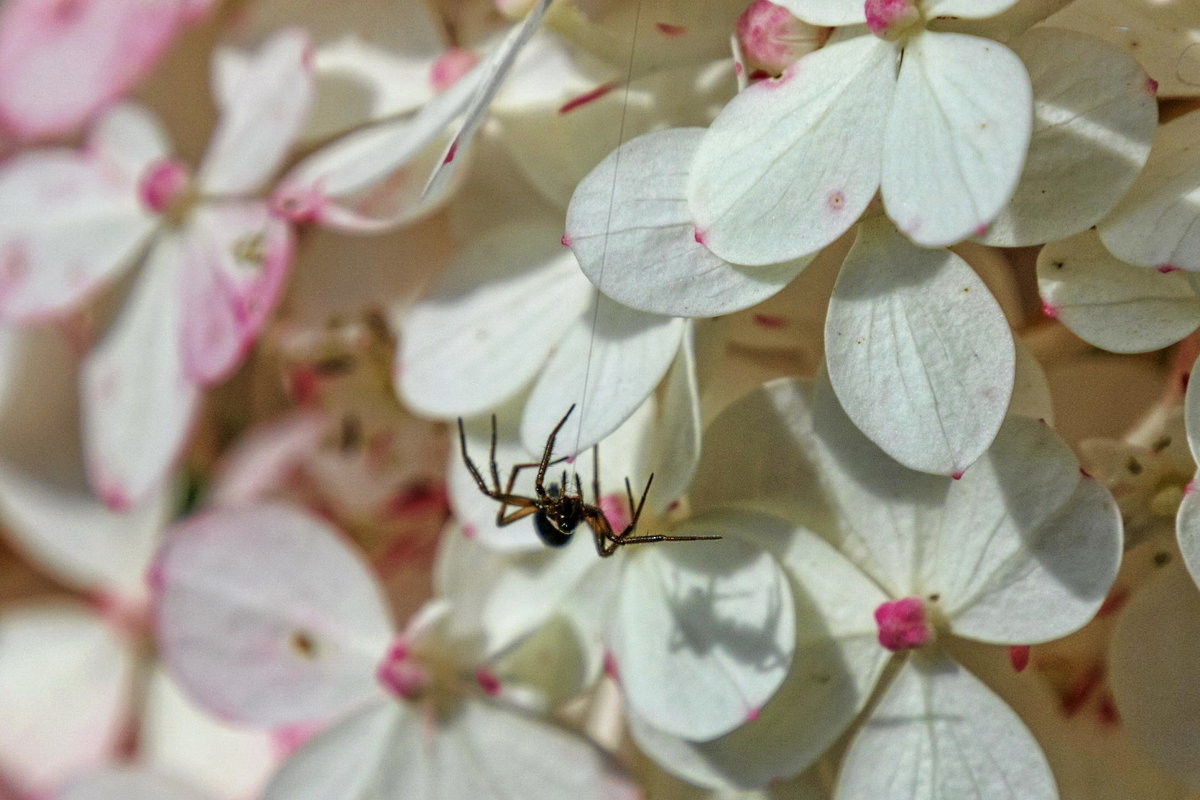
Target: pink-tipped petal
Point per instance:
(61, 61)
(236, 258)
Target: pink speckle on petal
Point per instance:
(1018, 657)
(1166, 268)
(1151, 86)
(1084, 473)
(470, 531)
(772, 321)
(1190, 487)
(290, 738)
(753, 714)
(565, 240)
(738, 69)
(401, 675)
(587, 97)
(836, 200)
(163, 184)
(1051, 311)
(902, 624)
(450, 66)
(700, 236)
(667, 29)
(451, 153)
(980, 229)
(956, 475)
(298, 203)
(487, 681)
(1116, 600)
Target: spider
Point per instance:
(556, 512)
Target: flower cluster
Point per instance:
(599, 399)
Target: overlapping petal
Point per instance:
(630, 227)
(236, 257)
(754, 194)
(1155, 224)
(1091, 136)
(70, 220)
(1116, 306)
(918, 351)
(956, 138)
(264, 616)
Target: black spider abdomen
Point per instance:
(548, 532)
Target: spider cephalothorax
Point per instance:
(557, 512)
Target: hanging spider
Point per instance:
(556, 512)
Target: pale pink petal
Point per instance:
(127, 783)
(71, 219)
(235, 258)
(63, 60)
(64, 685)
(138, 402)
(265, 112)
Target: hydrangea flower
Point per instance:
(1022, 549)
(266, 616)
(215, 259)
(918, 352)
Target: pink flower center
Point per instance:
(450, 66)
(164, 186)
(889, 19)
(902, 624)
(402, 675)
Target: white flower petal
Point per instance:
(956, 138)
(1028, 548)
(127, 783)
(177, 738)
(486, 326)
(631, 230)
(262, 116)
(918, 351)
(940, 733)
(790, 164)
(1090, 138)
(608, 362)
(236, 257)
(482, 751)
(138, 403)
(1187, 529)
(1163, 37)
(71, 220)
(1154, 225)
(700, 650)
(1031, 390)
(1153, 661)
(836, 664)
(266, 617)
(1116, 306)
(64, 683)
(1191, 414)
(80, 540)
(674, 445)
(493, 70)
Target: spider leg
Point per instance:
(596, 473)
(492, 459)
(520, 513)
(541, 475)
(636, 513)
(462, 444)
(606, 542)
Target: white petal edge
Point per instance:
(127, 783)
(918, 351)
